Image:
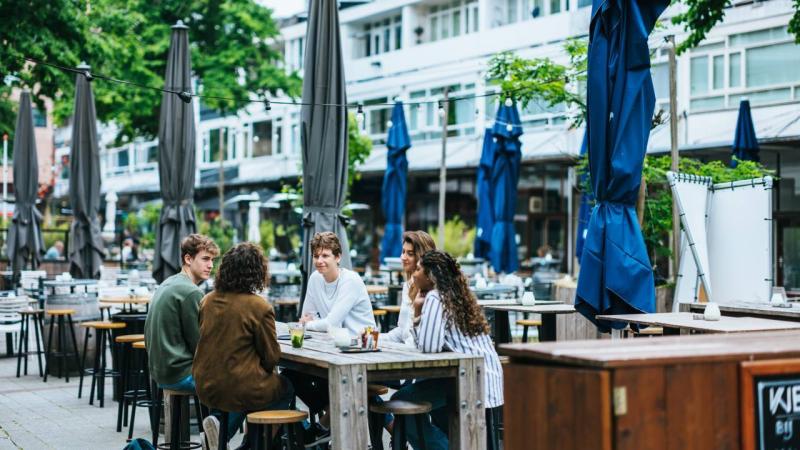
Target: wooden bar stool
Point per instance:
(525, 323)
(175, 420)
(376, 420)
(392, 315)
(64, 317)
(261, 423)
(99, 372)
(380, 317)
(105, 311)
(402, 408)
(24, 330)
(124, 343)
(140, 353)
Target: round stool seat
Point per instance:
(529, 323)
(139, 345)
(401, 407)
(60, 312)
(394, 309)
(178, 393)
(504, 359)
(378, 312)
(287, 301)
(102, 325)
(651, 331)
(276, 417)
(30, 312)
(127, 338)
(376, 389)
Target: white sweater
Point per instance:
(342, 303)
(402, 333)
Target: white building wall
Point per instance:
(463, 60)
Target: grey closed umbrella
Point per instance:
(176, 163)
(324, 130)
(25, 245)
(86, 243)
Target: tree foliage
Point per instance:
(542, 79)
(702, 15)
(232, 44)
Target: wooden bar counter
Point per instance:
(668, 393)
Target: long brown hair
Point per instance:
(422, 243)
(459, 304)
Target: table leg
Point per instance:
(548, 328)
(467, 412)
(349, 407)
(502, 327)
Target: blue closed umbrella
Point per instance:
(745, 143)
(505, 175)
(483, 236)
(616, 276)
(393, 197)
(585, 210)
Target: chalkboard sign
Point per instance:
(770, 405)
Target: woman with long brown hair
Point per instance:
(415, 244)
(447, 317)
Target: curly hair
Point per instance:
(422, 243)
(244, 269)
(459, 304)
(326, 240)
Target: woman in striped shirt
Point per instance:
(447, 318)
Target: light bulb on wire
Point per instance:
(441, 109)
(509, 102)
(360, 115)
(509, 127)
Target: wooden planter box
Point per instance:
(675, 393)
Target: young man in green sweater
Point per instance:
(172, 329)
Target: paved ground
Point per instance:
(38, 415)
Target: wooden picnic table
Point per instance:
(349, 374)
(673, 323)
(126, 300)
(548, 311)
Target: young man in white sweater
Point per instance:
(335, 297)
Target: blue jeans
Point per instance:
(186, 384)
(434, 428)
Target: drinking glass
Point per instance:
(297, 333)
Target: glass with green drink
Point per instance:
(297, 333)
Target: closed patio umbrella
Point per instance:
(745, 142)
(505, 174)
(323, 131)
(393, 193)
(86, 242)
(25, 244)
(485, 219)
(616, 276)
(176, 158)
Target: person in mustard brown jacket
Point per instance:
(235, 362)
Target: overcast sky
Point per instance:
(284, 8)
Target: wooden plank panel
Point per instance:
(556, 408)
(686, 321)
(639, 408)
(468, 423)
(703, 406)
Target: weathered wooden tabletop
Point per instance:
(686, 321)
(549, 308)
(753, 309)
(350, 373)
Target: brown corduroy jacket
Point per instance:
(234, 365)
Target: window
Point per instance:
(422, 115)
(278, 138)
(519, 10)
(262, 138)
(453, 19)
(295, 50)
(295, 133)
(39, 118)
(582, 3)
(763, 65)
(217, 144)
(122, 158)
(383, 36)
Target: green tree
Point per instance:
(233, 54)
(702, 15)
(542, 79)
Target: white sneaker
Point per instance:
(211, 427)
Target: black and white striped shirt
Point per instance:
(436, 333)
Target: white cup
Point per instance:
(341, 337)
(712, 312)
(528, 299)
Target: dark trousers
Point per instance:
(312, 390)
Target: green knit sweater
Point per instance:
(172, 329)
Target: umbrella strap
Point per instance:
(322, 210)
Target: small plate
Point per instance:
(358, 350)
(287, 337)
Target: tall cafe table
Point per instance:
(127, 300)
(547, 309)
(673, 323)
(349, 374)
